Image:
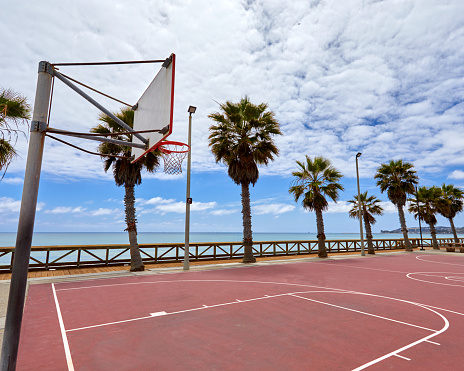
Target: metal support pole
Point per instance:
(187, 203)
(418, 217)
(18, 284)
(98, 139)
(359, 207)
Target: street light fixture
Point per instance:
(186, 266)
(359, 206)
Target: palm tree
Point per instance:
(314, 180)
(399, 179)
(242, 139)
(125, 173)
(370, 206)
(14, 110)
(424, 205)
(451, 203)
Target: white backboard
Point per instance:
(155, 109)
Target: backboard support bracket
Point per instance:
(38, 126)
(98, 105)
(45, 66)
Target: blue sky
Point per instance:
(384, 78)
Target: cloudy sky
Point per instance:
(385, 78)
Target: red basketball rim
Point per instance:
(184, 147)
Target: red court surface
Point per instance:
(403, 311)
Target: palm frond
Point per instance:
(398, 179)
(241, 138)
(316, 179)
(124, 172)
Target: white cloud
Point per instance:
(388, 207)
(102, 211)
(9, 205)
(345, 207)
(456, 174)
(339, 207)
(179, 207)
(13, 180)
(375, 77)
(155, 201)
(224, 212)
(276, 208)
(65, 210)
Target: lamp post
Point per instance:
(419, 217)
(359, 206)
(191, 110)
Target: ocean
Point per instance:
(8, 239)
(107, 238)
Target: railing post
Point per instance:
(78, 258)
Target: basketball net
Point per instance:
(173, 155)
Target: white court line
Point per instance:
(443, 309)
(397, 355)
(432, 342)
(187, 310)
(226, 281)
(67, 351)
(427, 274)
(458, 279)
(332, 290)
(395, 352)
(352, 266)
(157, 314)
(428, 261)
(365, 313)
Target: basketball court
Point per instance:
(398, 311)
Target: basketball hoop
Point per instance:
(173, 154)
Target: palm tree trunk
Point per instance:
(322, 252)
(246, 217)
(433, 232)
(367, 226)
(129, 203)
(404, 229)
(456, 239)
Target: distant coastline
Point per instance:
(439, 230)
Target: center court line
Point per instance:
(67, 351)
(184, 311)
(294, 294)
